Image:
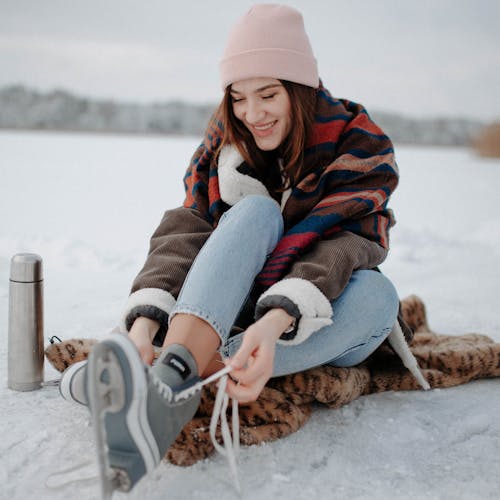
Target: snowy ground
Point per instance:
(87, 204)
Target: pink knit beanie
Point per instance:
(269, 41)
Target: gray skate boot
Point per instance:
(137, 411)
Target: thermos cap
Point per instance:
(26, 268)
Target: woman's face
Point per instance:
(263, 105)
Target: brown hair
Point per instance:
(303, 105)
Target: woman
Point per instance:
(268, 268)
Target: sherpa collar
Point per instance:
(235, 185)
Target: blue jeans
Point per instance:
(222, 275)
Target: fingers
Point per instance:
(257, 367)
(245, 393)
(247, 347)
(252, 364)
(246, 384)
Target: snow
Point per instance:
(87, 204)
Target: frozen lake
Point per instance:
(88, 204)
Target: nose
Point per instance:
(254, 112)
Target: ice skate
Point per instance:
(136, 410)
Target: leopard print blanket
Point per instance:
(286, 402)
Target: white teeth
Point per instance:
(265, 127)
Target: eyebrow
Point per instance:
(260, 89)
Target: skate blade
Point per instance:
(106, 394)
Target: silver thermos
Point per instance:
(26, 354)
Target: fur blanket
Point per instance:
(286, 402)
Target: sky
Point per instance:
(421, 59)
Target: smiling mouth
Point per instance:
(264, 127)
(260, 129)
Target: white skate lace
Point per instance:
(231, 445)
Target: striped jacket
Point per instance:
(336, 219)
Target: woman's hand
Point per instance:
(142, 334)
(253, 363)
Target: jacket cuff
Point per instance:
(274, 301)
(311, 308)
(152, 303)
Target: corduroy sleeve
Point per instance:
(173, 248)
(316, 279)
(329, 265)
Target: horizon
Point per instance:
(428, 60)
(175, 100)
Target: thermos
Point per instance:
(26, 354)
